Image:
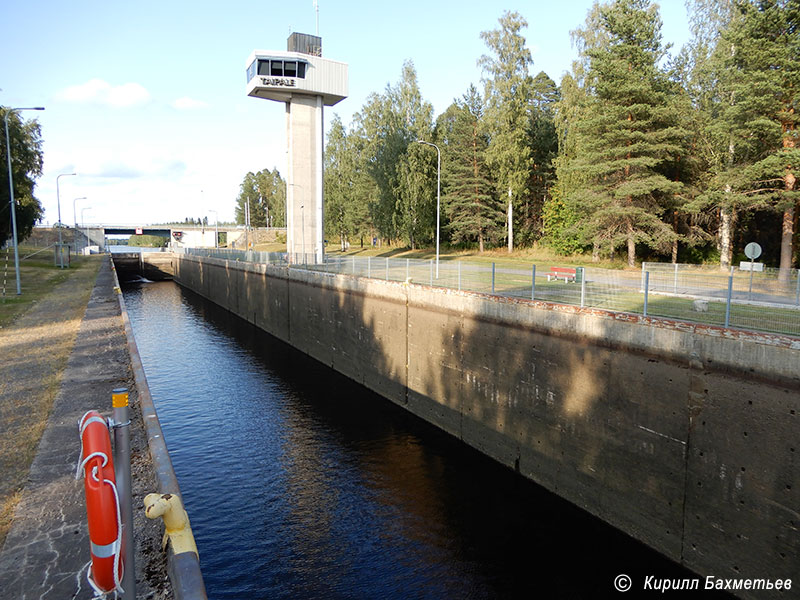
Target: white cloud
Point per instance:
(186, 103)
(98, 91)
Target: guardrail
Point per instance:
(697, 294)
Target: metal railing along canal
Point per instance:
(757, 301)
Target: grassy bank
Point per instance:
(37, 333)
(500, 256)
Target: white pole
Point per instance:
(216, 229)
(58, 200)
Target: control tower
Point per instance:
(306, 83)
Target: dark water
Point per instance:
(301, 484)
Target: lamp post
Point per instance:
(11, 195)
(58, 199)
(216, 229)
(438, 188)
(74, 214)
(83, 223)
(75, 218)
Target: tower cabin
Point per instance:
(305, 82)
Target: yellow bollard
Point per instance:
(176, 521)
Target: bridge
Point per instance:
(179, 235)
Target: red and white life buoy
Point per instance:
(102, 502)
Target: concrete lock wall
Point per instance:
(684, 436)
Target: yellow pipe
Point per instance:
(176, 521)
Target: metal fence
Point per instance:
(272, 258)
(760, 301)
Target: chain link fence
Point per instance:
(762, 301)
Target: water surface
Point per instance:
(302, 484)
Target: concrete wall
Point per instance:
(682, 435)
(151, 265)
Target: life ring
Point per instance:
(102, 502)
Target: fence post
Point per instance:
(675, 282)
(728, 303)
(407, 260)
(533, 282)
(122, 472)
(493, 269)
(797, 293)
(644, 269)
(369, 267)
(583, 286)
(646, 289)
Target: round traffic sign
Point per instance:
(752, 251)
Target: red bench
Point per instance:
(565, 273)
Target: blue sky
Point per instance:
(146, 100)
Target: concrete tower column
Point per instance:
(306, 83)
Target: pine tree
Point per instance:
(544, 149)
(470, 204)
(767, 57)
(629, 135)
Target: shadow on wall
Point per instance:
(695, 460)
(489, 516)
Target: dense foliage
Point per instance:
(26, 167)
(640, 151)
(148, 241)
(265, 193)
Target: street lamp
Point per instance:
(11, 189)
(216, 229)
(438, 187)
(58, 199)
(74, 214)
(83, 223)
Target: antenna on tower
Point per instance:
(316, 8)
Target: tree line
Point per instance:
(27, 159)
(637, 152)
(263, 194)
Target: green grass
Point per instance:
(513, 278)
(38, 276)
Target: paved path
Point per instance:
(47, 547)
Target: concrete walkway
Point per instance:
(47, 548)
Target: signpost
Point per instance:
(752, 251)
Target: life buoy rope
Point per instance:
(97, 467)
